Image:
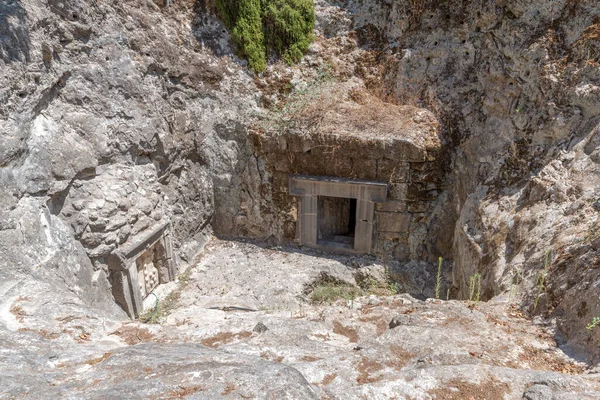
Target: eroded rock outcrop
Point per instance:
(115, 116)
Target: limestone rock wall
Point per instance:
(117, 114)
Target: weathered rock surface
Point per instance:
(162, 371)
(117, 116)
(513, 83)
(114, 117)
(371, 347)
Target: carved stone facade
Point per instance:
(312, 218)
(140, 266)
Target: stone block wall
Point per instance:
(411, 171)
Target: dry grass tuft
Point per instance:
(184, 391)
(134, 335)
(18, 312)
(222, 338)
(457, 389)
(347, 331)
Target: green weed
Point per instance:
(514, 289)
(329, 293)
(595, 322)
(475, 287)
(438, 282)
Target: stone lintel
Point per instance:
(140, 243)
(337, 187)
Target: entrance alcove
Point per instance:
(304, 179)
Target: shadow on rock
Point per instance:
(14, 32)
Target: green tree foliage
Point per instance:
(284, 27)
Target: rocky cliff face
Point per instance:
(525, 173)
(115, 115)
(516, 87)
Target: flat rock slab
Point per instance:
(243, 327)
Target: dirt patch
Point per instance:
(328, 379)
(515, 312)
(42, 332)
(98, 360)
(457, 389)
(222, 338)
(309, 359)
(366, 367)
(134, 335)
(545, 360)
(381, 325)
(183, 391)
(400, 358)
(229, 388)
(347, 331)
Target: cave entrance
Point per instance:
(336, 213)
(336, 221)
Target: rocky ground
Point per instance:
(242, 323)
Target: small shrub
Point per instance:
(284, 27)
(303, 109)
(331, 293)
(328, 289)
(243, 18)
(288, 26)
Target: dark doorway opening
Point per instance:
(336, 220)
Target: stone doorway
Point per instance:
(138, 267)
(336, 213)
